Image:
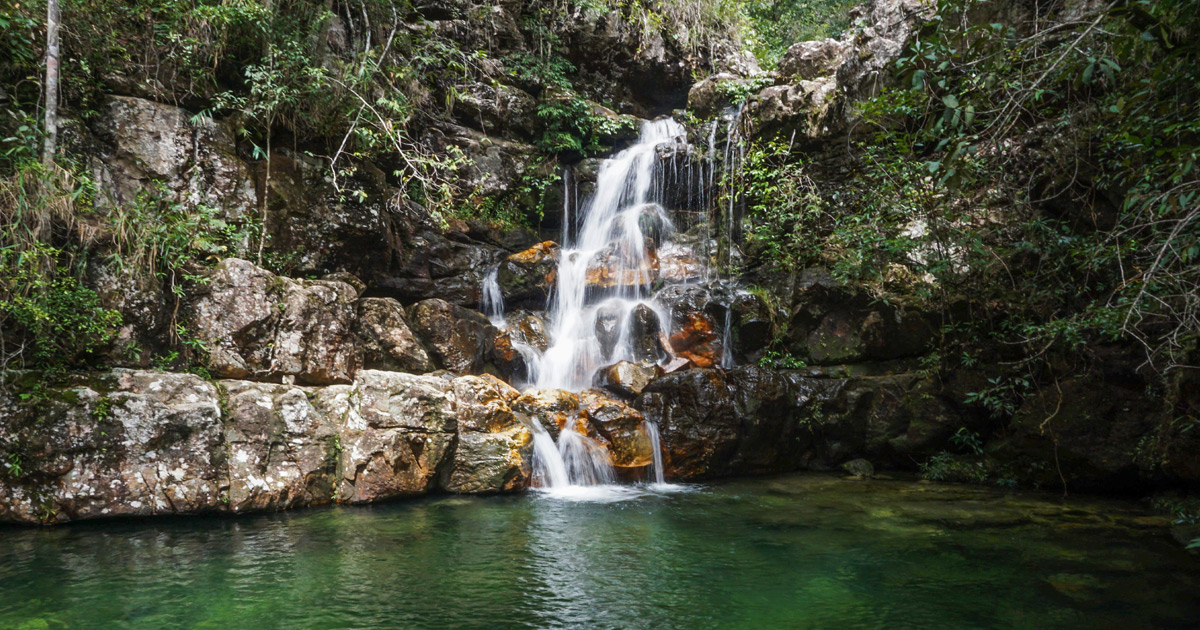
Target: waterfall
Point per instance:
(614, 226)
(656, 447)
(491, 300)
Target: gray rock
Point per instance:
(388, 343)
(460, 340)
(258, 325)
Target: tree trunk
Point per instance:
(52, 54)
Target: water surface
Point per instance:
(792, 552)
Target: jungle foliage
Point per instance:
(1034, 180)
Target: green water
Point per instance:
(791, 552)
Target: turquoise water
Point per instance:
(791, 552)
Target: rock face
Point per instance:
(195, 160)
(753, 420)
(460, 340)
(258, 325)
(125, 444)
(388, 343)
(137, 443)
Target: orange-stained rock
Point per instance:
(552, 408)
(620, 425)
(698, 341)
(529, 275)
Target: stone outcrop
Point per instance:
(527, 277)
(459, 339)
(387, 341)
(754, 420)
(139, 443)
(257, 325)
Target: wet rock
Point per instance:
(258, 325)
(527, 328)
(433, 265)
(698, 420)
(459, 340)
(649, 342)
(627, 379)
(554, 409)
(388, 343)
(397, 432)
(492, 462)
(495, 449)
(608, 328)
(695, 334)
(527, 277)
(281, 451)
(677, 264)
(126, 443)
(860, 468)
(697, 340)
(611, 268)
(622, 428)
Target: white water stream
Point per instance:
(602, 296)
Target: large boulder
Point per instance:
(495, 449)
(459, 339)
(257, 325)
(627, 379)
(281, 451)
(396, 434)
(387, 341)
(126, 443)
(621, 427)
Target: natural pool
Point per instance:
(805, 551)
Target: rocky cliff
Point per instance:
(338, 333)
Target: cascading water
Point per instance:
(492, 301)
(613, 228)
(603, 308)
